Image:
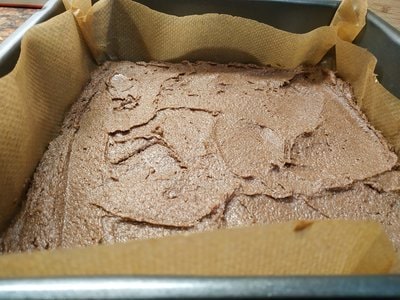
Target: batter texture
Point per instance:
(153, 149)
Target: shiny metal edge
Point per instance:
(309, 287)
(383, 41)
(10, 47)
(384, 26)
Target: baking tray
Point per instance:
(297, 16)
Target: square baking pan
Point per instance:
(296, 16)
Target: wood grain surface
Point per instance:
(389, 10)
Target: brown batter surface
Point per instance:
(152, 149)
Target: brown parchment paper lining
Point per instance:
(321, 248)
(55, 63)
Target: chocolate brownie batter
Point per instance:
(152, 149)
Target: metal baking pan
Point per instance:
(297, 16)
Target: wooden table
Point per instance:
(11, 18)
(389, 10)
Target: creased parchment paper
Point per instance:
(55, 63)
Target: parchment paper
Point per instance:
(55, 63)
(323, 247)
